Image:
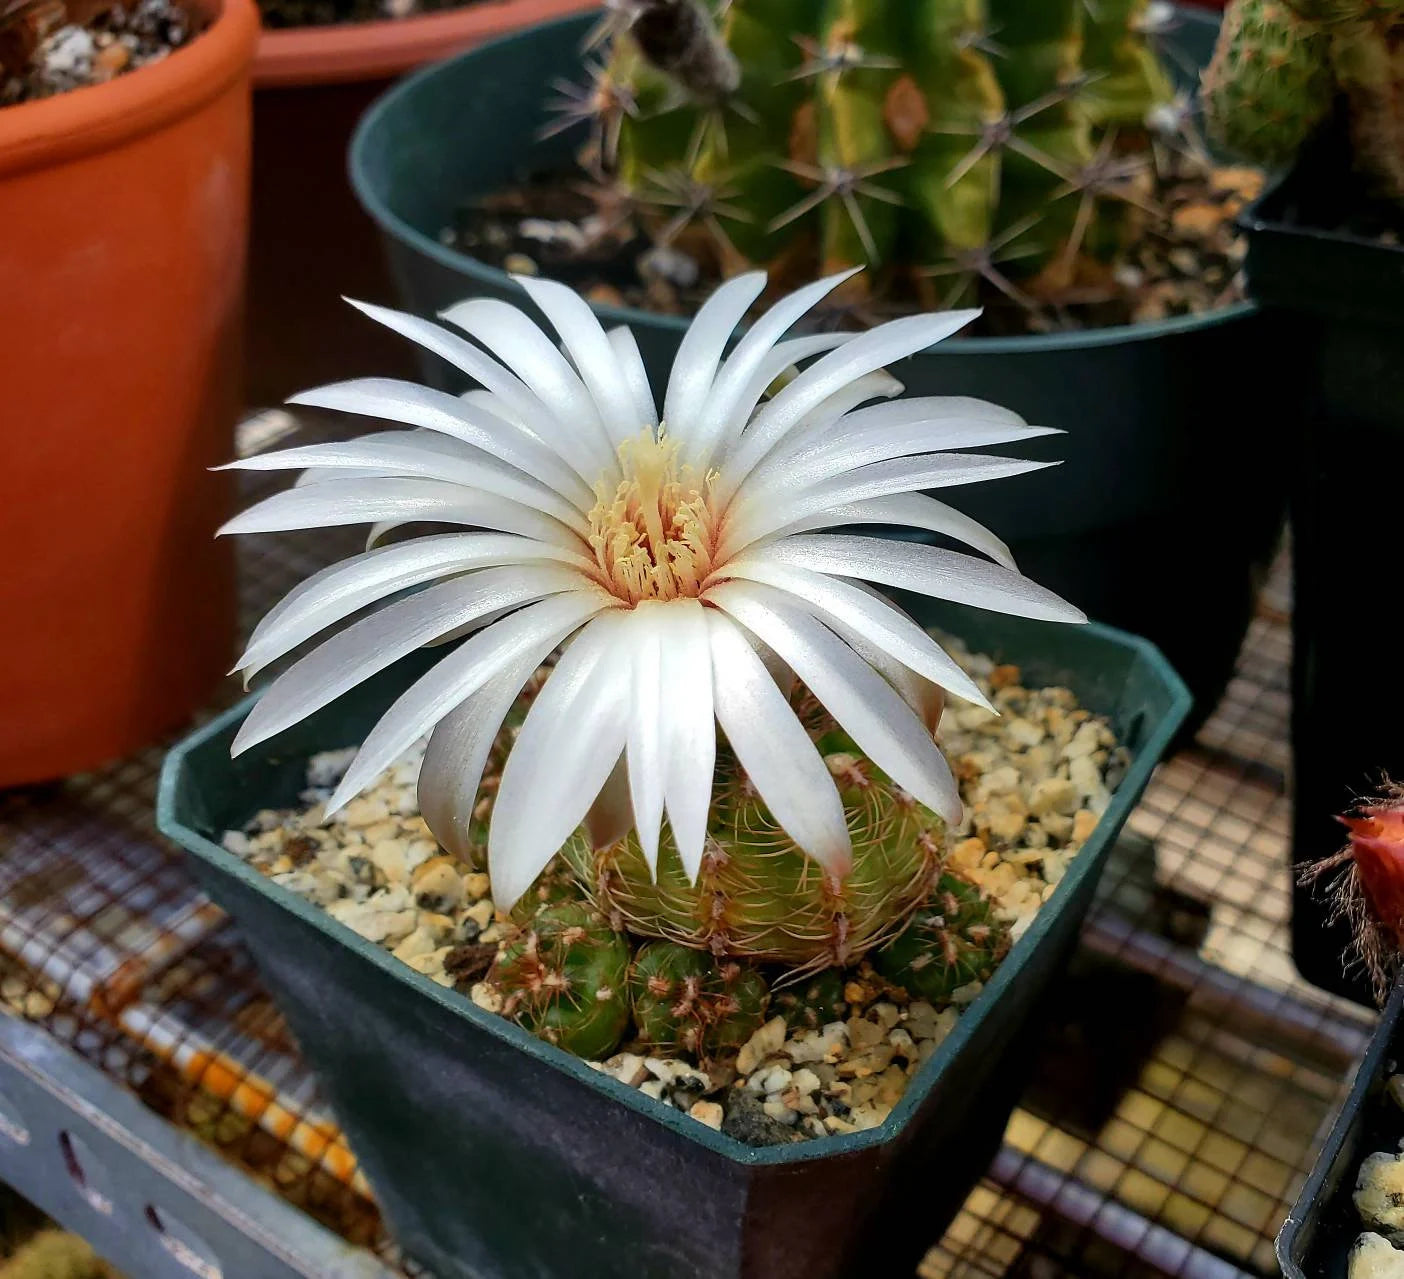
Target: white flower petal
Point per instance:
(914, 510)
(371, 499)
(864, 704)
(611, 817)
(771, 745)
(410, 454)
(866, 353)
(785, 357)
(689, 729)
(700, 353)
(592, 352)
(730, 391)
(563, 755)
(763, 512)
(469, 418)
(350, 585)
(519, 642)
(635, 375)
(848, 604)
(373, 643)
(517, 341)
(644, 633)
(926, 570)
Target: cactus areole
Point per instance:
(959, 139)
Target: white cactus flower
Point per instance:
(679, 561)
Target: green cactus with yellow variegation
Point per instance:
(946, 139)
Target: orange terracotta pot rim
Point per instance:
(359, 51)
(56, 130)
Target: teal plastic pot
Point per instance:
(1169, 503)
(495, 1153)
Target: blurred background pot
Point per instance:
(1169, 505)
(311, 243)
(124, 213)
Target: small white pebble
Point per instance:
(707, 1112)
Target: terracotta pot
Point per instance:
(124, 216)
(312, 244)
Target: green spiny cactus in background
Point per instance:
(813, 1003)
(564, 976)
(933, 136)
(758, 897)
(953, 940)
(685, 999)
(1281, 65)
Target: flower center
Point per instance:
(654, 532)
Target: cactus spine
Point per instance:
(564, 977)
(953, 940)
(941, 134)
(1282, 64)
(684, 999)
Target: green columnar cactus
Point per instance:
(942, 134)
(758, 897)
(685, 999)
(1282, 64)
(953, 940)
(564, 976)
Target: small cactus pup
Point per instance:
(961, 141)
(1281, 67)
(684, 999)
(814, 1003)
(564, 976)
(953, 940)
(693, 577)
(1366, 883)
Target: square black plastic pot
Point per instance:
(1315, 1240)
(496, 1154)
(1170, 457)
(1343, 291)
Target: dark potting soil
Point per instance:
(49, 47)
(1186, 260)
(279, 14)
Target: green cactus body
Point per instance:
(865, 132)
(685, 999)
(953, 940)
(758, 897)
(1270, 83)
(816, 1002)
(564, 976)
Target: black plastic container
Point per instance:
(496, 1154)
(1169, 502)
(1344, 292)
(1315, 1240)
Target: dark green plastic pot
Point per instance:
(1168, 506)
(1344, 292)
(496, 1154)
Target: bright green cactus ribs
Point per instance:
(952, 941)
(564, 977)
(685, 999)
(931, 137)
(758, 897)
(1281, 65)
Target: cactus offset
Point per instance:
(934, 136)
(759, 897)
(564, 976)
(953, 940)
(1281, 65)
(684, 999)
(814, 1003)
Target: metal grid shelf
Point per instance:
(1176, 1110)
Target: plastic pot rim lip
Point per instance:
(355, 52)
(1253, 221)
(1087, 862)
(396, 227)
(100, 117)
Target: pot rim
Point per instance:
(69, 126)
(300, 57)
(636, 318)
(1088, 862)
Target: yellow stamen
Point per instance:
(655, 533)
